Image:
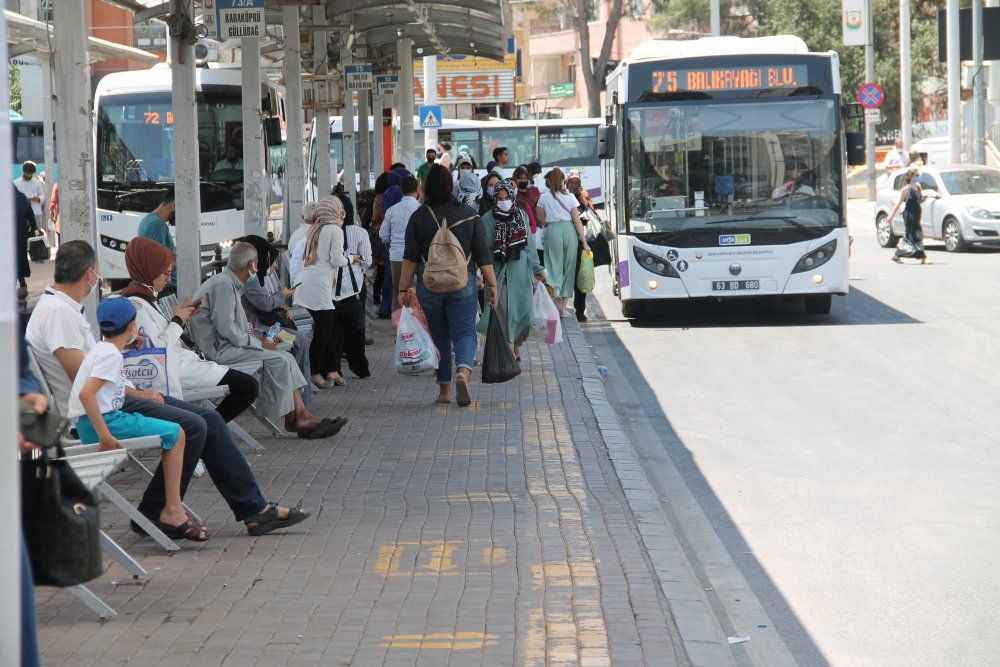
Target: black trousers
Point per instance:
(349, 337)
(380, 272)
(321, 349)
(243, 390)
(579, 298)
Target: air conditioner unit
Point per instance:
(207, 50)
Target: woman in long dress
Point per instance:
(910, 198)
(565, 236)
(515, 261)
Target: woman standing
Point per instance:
(349, 311)
(564, 236)
(468, 189)
(515, 263)
(149, 265)
(324, 254)
(910, 198)
(527, 198)
(489, 198)
(451, 315)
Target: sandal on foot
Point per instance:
(462, 396)
(189, 530)
(268, 520)
(324, 429)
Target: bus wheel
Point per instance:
(819, 304)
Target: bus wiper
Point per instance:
(784, 218)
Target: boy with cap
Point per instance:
(96, 401)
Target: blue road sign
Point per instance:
(430, 116)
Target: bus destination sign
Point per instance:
(730, 78)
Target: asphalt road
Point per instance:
(840, 472)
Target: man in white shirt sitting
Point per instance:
(393, 230)
(60, 337)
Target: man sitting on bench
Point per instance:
(60, 337)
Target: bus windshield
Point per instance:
(750, 165)
(135, 139)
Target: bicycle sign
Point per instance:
(870, 95)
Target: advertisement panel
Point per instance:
(470, 79)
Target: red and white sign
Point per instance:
(472, 87)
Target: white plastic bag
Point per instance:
(415, 350)
(545, 316)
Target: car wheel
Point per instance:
(819, 304)
(952, 234)
(883, 231)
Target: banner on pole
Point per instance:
(855, 21)
(359, 77)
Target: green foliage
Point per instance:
(818, 23)
(14, 81)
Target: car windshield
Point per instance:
(759, 164)
(972, 182)
(136, 139)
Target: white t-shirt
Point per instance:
(103, 362)
(29, 189)
(557, 209)
(57, 322)
(296, 250)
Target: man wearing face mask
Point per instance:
(154, 226)
(223, 334)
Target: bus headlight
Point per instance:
(817, 257)
(658, 265)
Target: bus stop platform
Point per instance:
(507, 533)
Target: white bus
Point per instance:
(725, 164)
(135, 157)
(565, 143)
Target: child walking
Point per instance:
(96, 402)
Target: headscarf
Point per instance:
(469, 188)
(328, 211)
(145, 260)
(394, 194)
(266, 254)
(510, 234)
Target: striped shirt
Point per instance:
(356, 242)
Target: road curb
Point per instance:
(705, 643)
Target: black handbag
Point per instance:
(61, 522)
(601, 249)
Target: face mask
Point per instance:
(490, 190)
(505, 205)
(522, 185)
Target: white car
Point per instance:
(961, 206)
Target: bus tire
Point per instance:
(819, 304)
(883, 231)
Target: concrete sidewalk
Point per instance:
(493, 535)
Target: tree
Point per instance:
(14, 81)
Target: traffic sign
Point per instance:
(430, 116)
(870, 95)
(386, 84)
(873, 116)
(239, 18)
(359, 77)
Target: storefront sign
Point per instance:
(567, 89)
(470, 88)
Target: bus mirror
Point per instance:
(606, 143)
(855, 148)
(272, 132)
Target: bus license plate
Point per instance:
(735, 285)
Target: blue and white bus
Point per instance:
(724, 161)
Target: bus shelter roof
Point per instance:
(26, 36)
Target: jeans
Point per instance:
(29, 630)
(452, 320)
(389, 299)
(208, 439)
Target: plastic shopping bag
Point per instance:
(146, 368)
(585, 276)
(418, 312)
(545, 316)
(499, 364)
(415, 350)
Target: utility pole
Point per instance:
(978, 86)
(870, 77)
(905, 81)
(716, 18)
(954, 83)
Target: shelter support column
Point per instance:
(295, 162)
(347, 131)
(324, 172)
(404, 54)
(255, 182)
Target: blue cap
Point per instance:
(114, 314)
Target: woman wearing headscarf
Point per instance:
(324, 254)
(149, 265)
(515, 262)
(468, 189)
(527, 198)
(265, 301)
(489, 198)
(349, 311)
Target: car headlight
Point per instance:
(816, 258)
(654, 264)
(979, 213)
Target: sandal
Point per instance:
(268, 520)
(324, 429)
(462, 396)
(189, 530)
(140, 531)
